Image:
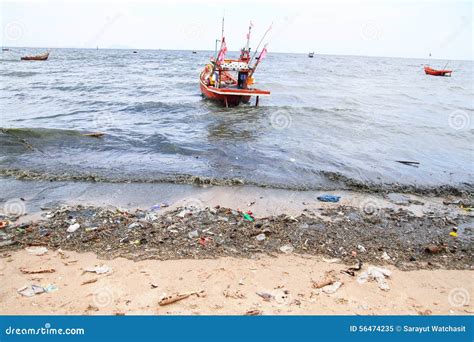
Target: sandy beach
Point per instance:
(230, 287)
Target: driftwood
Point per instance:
(253, 312)
(94, 134)
(90, 281)
(178, 296)
(329, 279)
(46, 270)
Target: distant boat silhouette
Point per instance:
(311, 54)
(41, 57)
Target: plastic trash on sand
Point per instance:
(33, 290)
(247, 217)
(330, 289)
(99, 269)
(378, 274)
(73, 227)
(36, 250)
(329, 198)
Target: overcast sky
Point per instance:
(398, 28)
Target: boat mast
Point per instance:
(257, 62)
(247, 47)
(222, 34)
(261, 40)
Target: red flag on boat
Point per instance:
(263, 54)
(222, 52)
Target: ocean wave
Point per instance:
(333, 182)
(19, 74)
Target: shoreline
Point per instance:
(198, 239)
(329, 181)
(166, 221)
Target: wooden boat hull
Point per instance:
(434, 72)
(229, 96)
(42, 57)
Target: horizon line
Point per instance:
(276, 52)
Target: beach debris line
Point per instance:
(335, 232)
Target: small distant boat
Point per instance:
(229, 81)
(41, 57)
(5, 49)
(194, 52)
(311, 54)
(135, 51)
(434, 72)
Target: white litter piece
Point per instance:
(99, 269)
(31, 290)
(331, 261)
(287, 249)
(378, 274)
(330, 289)
(37, 250)
(73, 227)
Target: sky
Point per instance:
(393, 28)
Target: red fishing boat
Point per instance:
(229, 81)
(434, 72)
